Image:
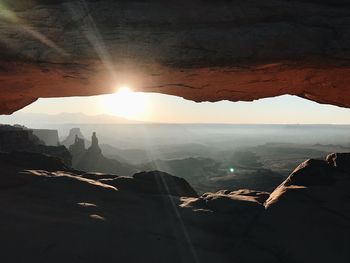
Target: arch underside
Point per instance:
(199, 50)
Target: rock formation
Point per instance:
(312, 208)
(199, 50)
(71, 138)
(306, 219)
(17, 138)
(94, 149)
(77, 150)
(55, 215)
(32, 161)
(60, 152)
(92, 159)
(153, 182)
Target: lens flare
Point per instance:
(126, 103)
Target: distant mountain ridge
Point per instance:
(64, 118)
(30, 118)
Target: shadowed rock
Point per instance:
(154, 182)
(88, 221)
(242, 209)
(19, 138)
(33, 161)
(61, 215)
(77, 150)
(312, 172)
(307, 217)
(92, 159)
(71, 138)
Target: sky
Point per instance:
(170, 109)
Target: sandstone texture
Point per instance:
(202, 50)
(51, 213)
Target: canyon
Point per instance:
(53, 212)
(201, 50)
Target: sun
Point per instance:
(126, 103)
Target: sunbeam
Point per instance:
(183, 237)
(10, 17)
(80, 12)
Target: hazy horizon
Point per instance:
(80, 118)
(160, 108)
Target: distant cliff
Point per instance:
(70, 139)
(50, 137)
(19, 138)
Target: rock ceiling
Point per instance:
(199, 50)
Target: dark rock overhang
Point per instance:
(199, 50)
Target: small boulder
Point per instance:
(340, 160)
(164, 183)
(154, 182)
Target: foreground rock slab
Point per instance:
(59, 216)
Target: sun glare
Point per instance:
(126, 103)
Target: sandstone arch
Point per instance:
(199, 50)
